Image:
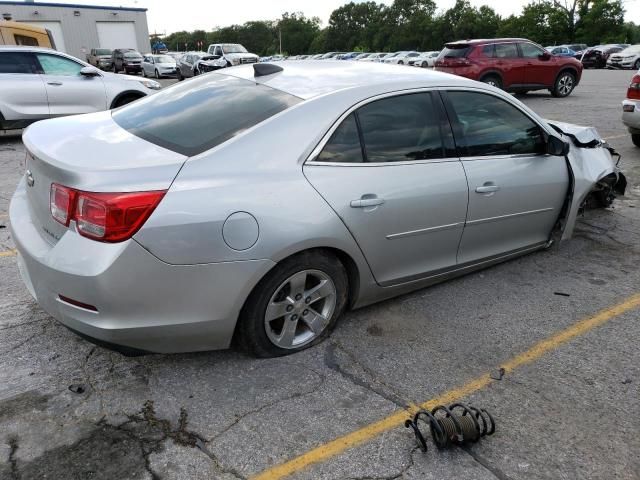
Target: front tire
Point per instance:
(424, 65)
(635, 138)
(157, 74)
(295, 306)
(636, 65)
(565, 83)
(492, 80)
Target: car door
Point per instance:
(541, 67)
(23, 95)
(148, 65)
(68, 91)
(508, 61)
(390, 173)
(516, 191)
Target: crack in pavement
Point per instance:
(13, 462)
(495, 471)
(395, 476)
(331, 362)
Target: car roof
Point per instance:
(479, 41)
(21, 48)
(308, 79)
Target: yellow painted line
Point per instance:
(9, 253)
(617, 136)
(358, 437)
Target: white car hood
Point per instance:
(590, 160)
(240, 55)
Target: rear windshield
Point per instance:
(132, 55)
(455, 51)
(103, 51)
(197, 115)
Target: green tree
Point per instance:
(600, 21)
(297, 31)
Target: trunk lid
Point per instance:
(90, 153)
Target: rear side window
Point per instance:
(17, 62)
(506, 50)
(25, 40)
(489, 51)
(198, 115)
(491, 126)
(402, 128)
(344, 145)
(455, 51)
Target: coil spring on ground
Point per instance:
(452, 428)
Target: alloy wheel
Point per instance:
(300, 310)
(565, 85)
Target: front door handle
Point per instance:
(54, 83)
(367, 201)
(487, 188)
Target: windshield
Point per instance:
(455, 51)
(195, 116)
(132, 55)
(233, 48)
(103, 51)
(163, 59)
(631, 50)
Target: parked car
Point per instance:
(39, 83)
(631, 109)
(400, 58)
(514, 64)
(596, 57)
(100, 58)
(175, 55)
(159, 66)
(126, 60)
(233, 53)
(186, 65)
(176, 233)
(362, 55)
(627, 58)
(329, 55)
(578, 48)
(375, 57)
(424, 60)
(561, 51)
(317, 56)
(209, 63)
(350, 56)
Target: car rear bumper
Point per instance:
(140, 302)
(631, 115)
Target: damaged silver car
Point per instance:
(257, 203)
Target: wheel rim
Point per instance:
(565, 85)
(300, 309)
(492, 81)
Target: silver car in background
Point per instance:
(196, 219)
(39, 83)
(159, 66)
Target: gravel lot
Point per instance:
(71, 410)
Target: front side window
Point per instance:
(17, 62)
(344, 145)
(55, 65)
(218, 51)
(195, 116)
(506, 50)
(402, 128)
(491, 126)
(529, 50)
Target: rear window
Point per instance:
(455, 51)
(132, 55)
(195, 116)
(103, 51)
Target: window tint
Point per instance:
(529, 50)
(197, 115)
(506, 50)
(17, 62)
(25, 40)
(488, 51)
(55, 65)
(401, 128)
(491, 126)
(344, 145)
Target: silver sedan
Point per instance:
(258, 203)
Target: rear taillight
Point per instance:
(108, 217)
(61, 201)
(633, 92)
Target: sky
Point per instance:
(165, 18)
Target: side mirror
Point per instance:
(90, 72)
(544, 56)
(557, 147)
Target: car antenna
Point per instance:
(262, 69)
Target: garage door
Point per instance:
(117, 35)
(56, 31)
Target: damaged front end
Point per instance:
(595, 176)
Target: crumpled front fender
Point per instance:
(592, 167)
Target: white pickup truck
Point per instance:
(233, 53)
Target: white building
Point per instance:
(76, 29)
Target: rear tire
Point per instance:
(180, 77)
(492, 80)
(144, 73)
(565, 83)
(264, 334)
(114, 68)
(635, 138)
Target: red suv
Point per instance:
(514, 64)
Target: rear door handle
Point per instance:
(487, 189)
(54, 83)
(366, 202)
